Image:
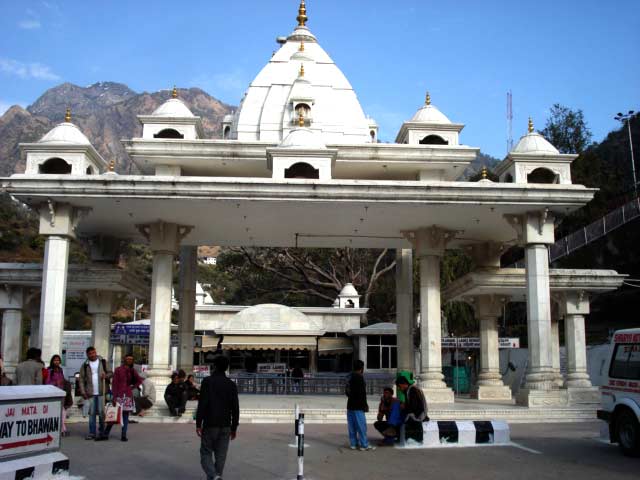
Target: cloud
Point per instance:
(29, 24)
(27, 70)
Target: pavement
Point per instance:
(261, 451)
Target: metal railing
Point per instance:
(592, 232)
(273, 384)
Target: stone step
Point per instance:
(335, 416)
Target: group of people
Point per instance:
(181, 389)
(33, 371)
(394, 414)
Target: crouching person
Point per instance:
(389, 417)
(414, 410)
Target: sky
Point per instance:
(584, 54)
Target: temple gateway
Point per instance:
(300, 165)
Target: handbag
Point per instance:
(113, 414)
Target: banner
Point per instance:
(470, 343)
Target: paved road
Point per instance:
(157, 451)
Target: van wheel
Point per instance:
(628, 433)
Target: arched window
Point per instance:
(168, 133)
(302, 109)
(226, 132)
(542, 175)
(301, 170)
(89, 171)
(508, 178)
(372, 133)
(433, 140)
(55, 166)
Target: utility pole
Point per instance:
(626, 117)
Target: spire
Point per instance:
(530, 125)
(301, 73)
(483, 173)
(302, 14)
(112, 166)
(174, 92)
(428, 99)
(67, 115)
(301, 49)
(301, 120)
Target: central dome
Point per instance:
(270, 107)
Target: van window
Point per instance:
(626, 362)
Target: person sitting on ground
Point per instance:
(175, 396)
(414, 409)
(29, 372)
(144, 401)
(389, 417)
(193, 393)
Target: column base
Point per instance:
(438, 395)
(583, 396)
(559, 380)
(492, 392)
(161, 378)
(542, 398)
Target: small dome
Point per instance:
(270, 318)
(65, 133)
(173, 108)
(228, 118)
(303, 138)
(535, 143)
(348, 291)
(301, 90)
(430, 114)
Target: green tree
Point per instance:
(567, 130)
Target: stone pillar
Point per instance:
(430, 244)
(57, 223)
(362, 349)
(187, 301)
(164, 239)
(555, 346)
(313, 361)
(11, 302)
(490, 386)
(100, 306)
(404, 308)
(536, 231)
(574, 306)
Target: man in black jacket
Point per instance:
(414, 409)
(217, 418)
(356, 408)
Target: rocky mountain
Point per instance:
(105, 112)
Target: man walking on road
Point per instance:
(356, 408)
(217, 418)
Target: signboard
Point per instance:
(201, 371)
(28, 426)
(470, 343)
(272, 368)
(126, 329)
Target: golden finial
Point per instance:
(302, 70)
(301, 49)
(428, 99)
(300, 121)
(112, 166)
(483, 173)
(174, 92)
(67, 115)
(530, 125)
(302, 14)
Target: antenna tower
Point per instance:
(509, 121)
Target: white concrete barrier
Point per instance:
(462, 433)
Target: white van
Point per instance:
(621, 391)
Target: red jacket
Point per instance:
(124, 379)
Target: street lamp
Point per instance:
(622, 118)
